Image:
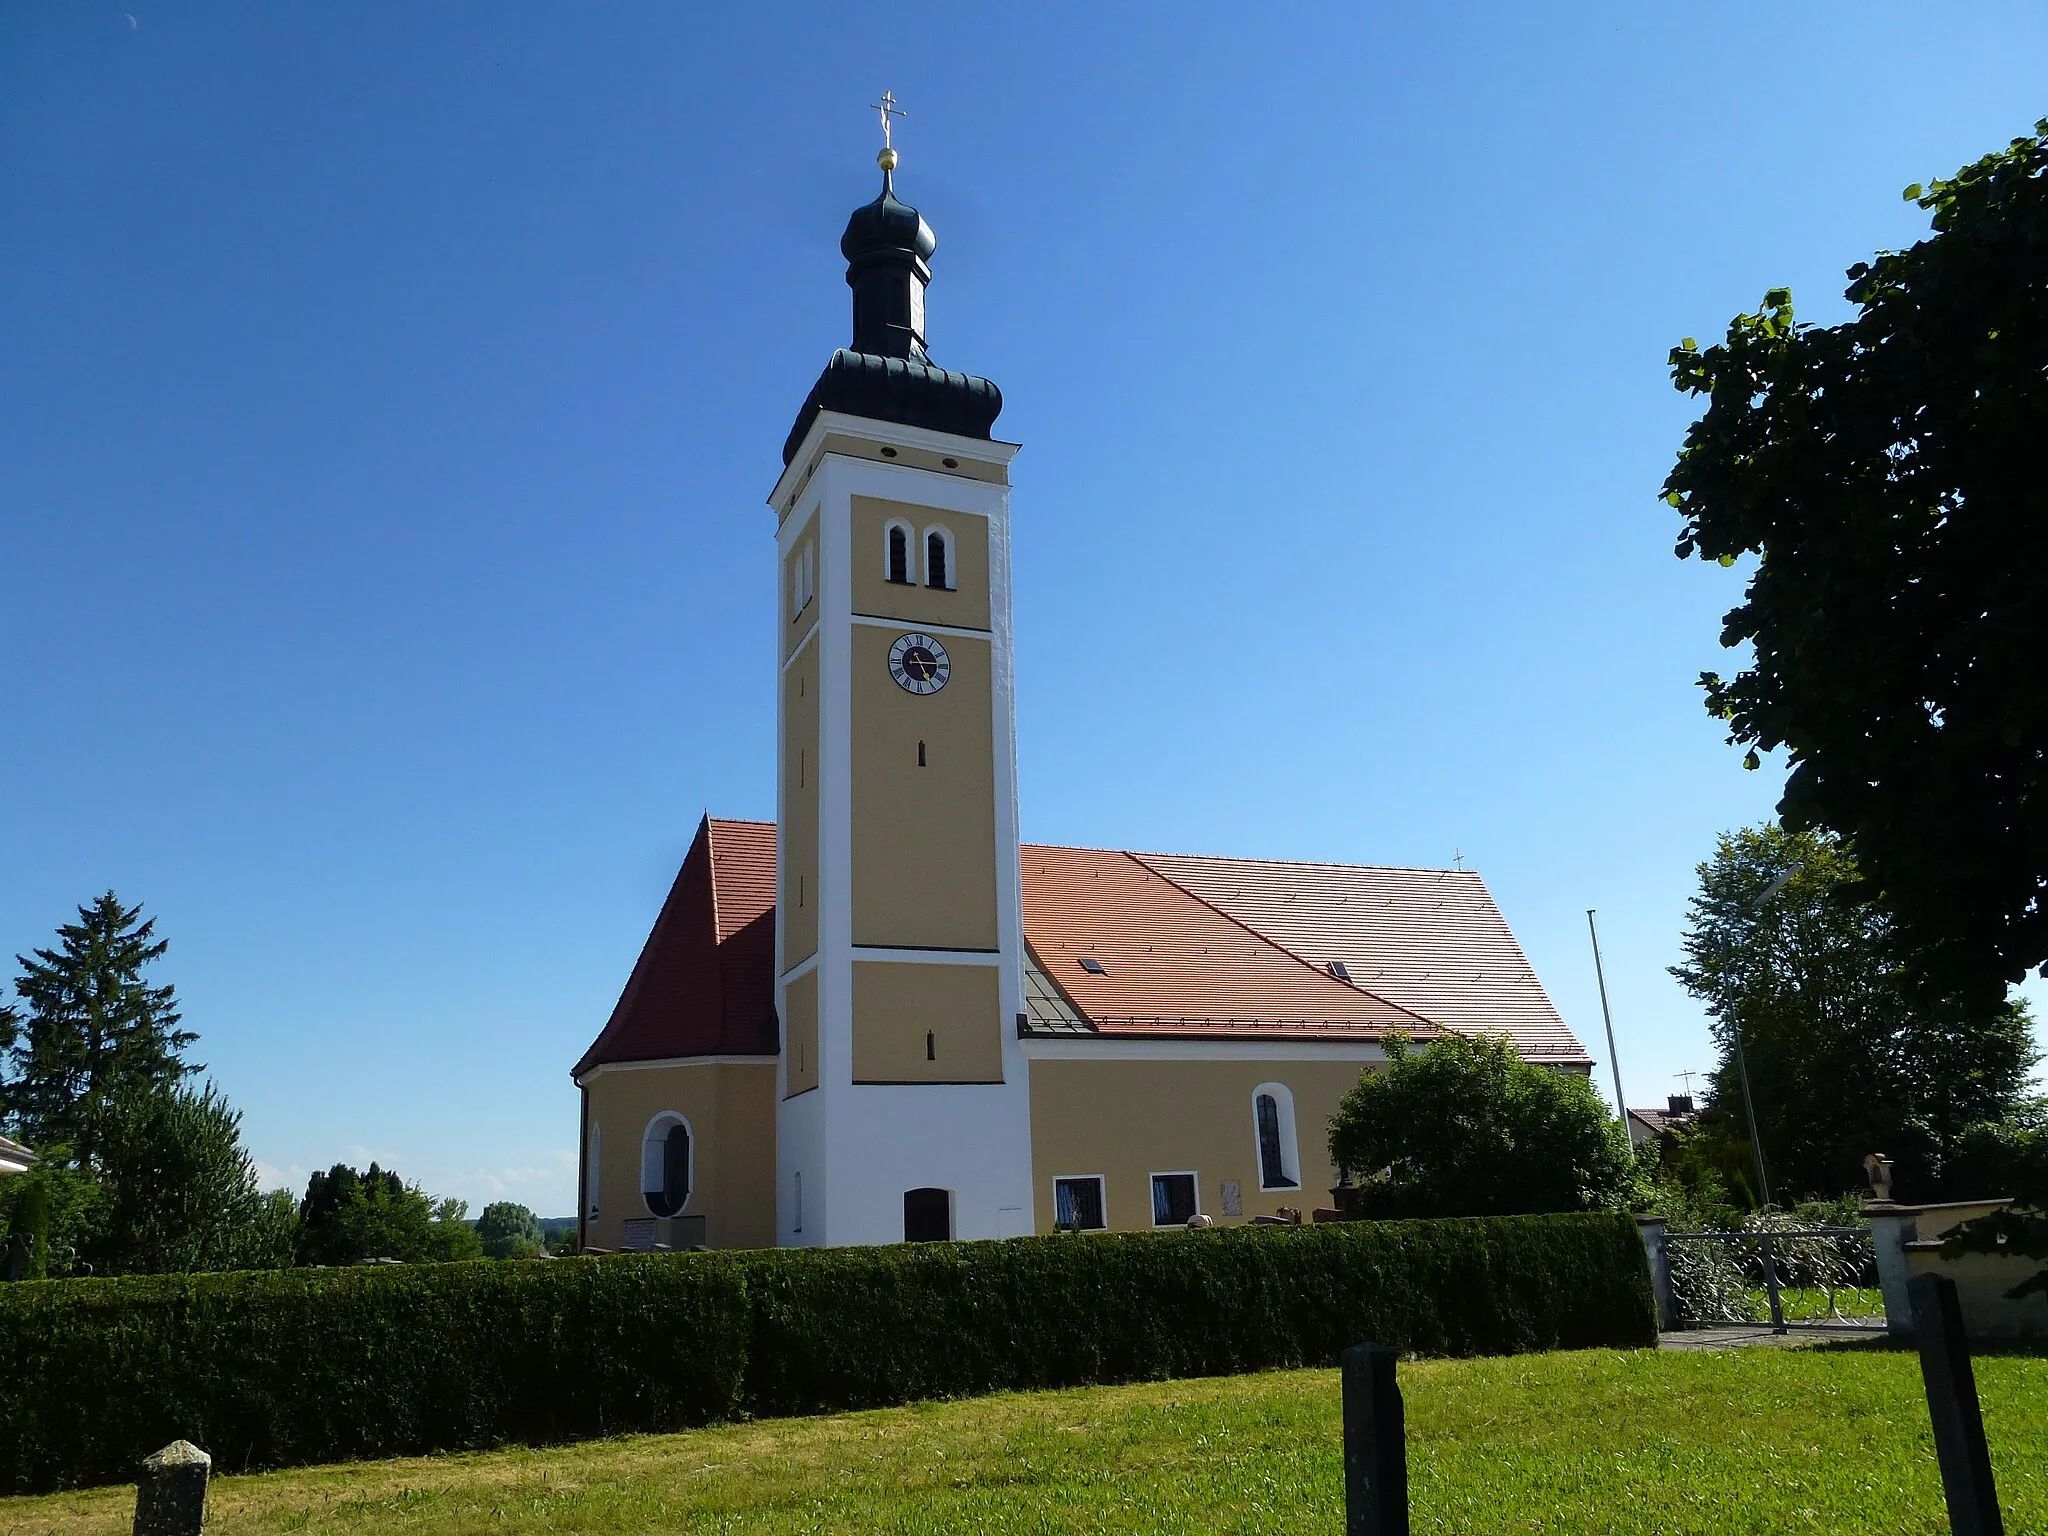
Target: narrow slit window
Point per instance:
(920, 754)
(937, 572)
(931, 1045)
(899, 555)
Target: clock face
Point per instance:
(919, 663)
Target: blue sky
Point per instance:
(388, 396)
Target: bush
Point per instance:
(308, 1366)
(1465, 1127)
(280, 1368)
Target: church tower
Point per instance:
(902, 1100)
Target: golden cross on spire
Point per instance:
(888, 108)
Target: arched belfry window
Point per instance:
(665, 1164)
(899, 554)
(1273, 1126)
(938, 559)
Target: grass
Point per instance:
(1754, 1440)
(1810, 1303)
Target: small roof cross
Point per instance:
(888, 108)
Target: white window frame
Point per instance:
(1152, 1202)
(913, 560)
(651, 1149)
(1290, 1142)
(1102, 1197)
(924, 556)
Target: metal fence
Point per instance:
(1782, 1278)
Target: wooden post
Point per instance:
(1375, 1444)
(1959, 1442)
(170, 1496)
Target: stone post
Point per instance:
(1658, 1252)
(1959, 1444)
(1375, 1444)
(1891, 1228)
(170, 1496)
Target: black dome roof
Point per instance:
(887, 225)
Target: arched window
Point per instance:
(927, 1215)
(1273, 1126)
(938, 559)
(899, 554)
(665, 1164)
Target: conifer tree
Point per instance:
(91, 1032)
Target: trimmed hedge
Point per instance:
(298, 1366)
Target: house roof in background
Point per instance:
(1182, 946)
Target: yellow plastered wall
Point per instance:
(797, 878)
(926, 1023)
(924, 838)
(1127, 1120)
(965, 607)
(800, 1033)
(730, 1108)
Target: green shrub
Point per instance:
(288, 1367)
(324, 1365)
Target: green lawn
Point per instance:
(1751, 1440)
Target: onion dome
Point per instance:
(886, 230)
(886, 375)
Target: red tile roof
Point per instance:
(1168, 960)
(1188, 946)
(704, 984)
(1431, 940)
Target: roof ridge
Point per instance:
(1253, 858)
(1238, 922)
(711, 860)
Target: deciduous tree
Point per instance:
(1886, 475)
(509, 1231)
(348, 1217)
(1847, 1055)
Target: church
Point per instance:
(883, 1018)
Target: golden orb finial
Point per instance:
(886, 159)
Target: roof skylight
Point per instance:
(1093, 966)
